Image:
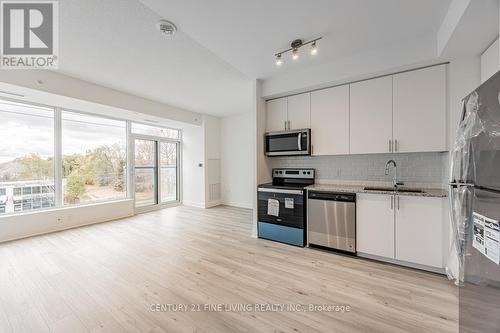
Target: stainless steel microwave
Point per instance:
(288, 143)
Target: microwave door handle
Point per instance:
(299, 141)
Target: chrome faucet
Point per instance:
(395, 182)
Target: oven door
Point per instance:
(290, 212)
(288, 143)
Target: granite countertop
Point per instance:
(427, 192)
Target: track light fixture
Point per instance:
(294, 47)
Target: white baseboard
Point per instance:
(238, 204)
(41, 222)
(213, 204)
(194, 204)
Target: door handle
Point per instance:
(299, 141)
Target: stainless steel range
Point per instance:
(282, 206)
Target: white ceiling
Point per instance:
(114, 43)
(222, 45)
(247, 34)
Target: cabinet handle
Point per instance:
(390, 146)
(392, 202)
(285, 125)
(398, 202)
(289, 125)
(396, 148)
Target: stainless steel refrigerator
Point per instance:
(475, 208)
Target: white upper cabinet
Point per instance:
(420, 230)
(330, 121)
(375, 224)
(276, 115)
(371, 116)
(420, 110)
(299, 111)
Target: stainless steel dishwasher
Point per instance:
(331, 220)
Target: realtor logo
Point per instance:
(29, 33)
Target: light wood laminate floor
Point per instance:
(107, 277)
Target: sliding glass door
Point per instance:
(156, 172)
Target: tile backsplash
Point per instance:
(421, 168)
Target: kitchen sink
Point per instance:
(391, 189)
(410, 190)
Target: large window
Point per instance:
(94, 158)
(26, 157)
(51, 157)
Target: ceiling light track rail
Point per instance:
(294, 48)
(296, 44)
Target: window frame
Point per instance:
(19, 204)
(178, 141)
(129, 165)
(59, 179)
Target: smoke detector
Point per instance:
(166, 27)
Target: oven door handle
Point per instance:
(277, 190)
(299, 141)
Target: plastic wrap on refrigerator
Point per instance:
(476, 140)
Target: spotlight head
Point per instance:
(314, 49)
(279, 61)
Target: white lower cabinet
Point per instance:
(375, 225)
(419, 230)
(409, 229)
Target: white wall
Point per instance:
(193, 175)
(238, 162)
(36, 223)
(65, 91)
(464, 75)
(490, 61)
(213, 163)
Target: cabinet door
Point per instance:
(375, 225)
(420, 110)
(299, 111)
(420, 230)
(371, 116)
(330, 121)
(276, 115)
